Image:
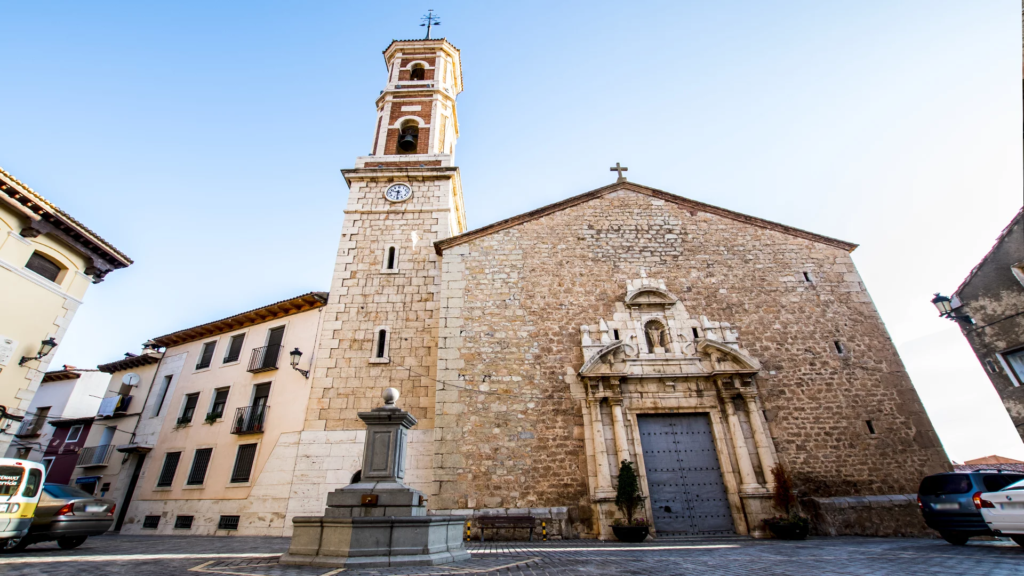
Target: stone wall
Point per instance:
(512, 301)
(993, 295)
(892, 515)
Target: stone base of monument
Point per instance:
(379, 521)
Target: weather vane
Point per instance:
(430, 20)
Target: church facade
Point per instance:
(626, 323)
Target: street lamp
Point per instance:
(296, 355)
(945, 307)
(45, 347)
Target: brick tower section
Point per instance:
(381, 322)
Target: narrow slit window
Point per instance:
(391, 258)
(696, 334)
(807, 277)
(382, 336)
(839, 347)
(871, 427)
(991, 365)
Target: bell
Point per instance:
(407, 143)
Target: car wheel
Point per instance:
(955, 538)
(69, 542)
(1017, 538)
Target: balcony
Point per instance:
(30, 426)
(95, 455)
(264, 359)
(249, 419)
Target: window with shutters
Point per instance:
(220, 400)
(200, 462)
(189, 409)
(234, 348)
(170, 467)
(44, 266)
(243, 463)
(206, 355)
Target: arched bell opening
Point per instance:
(418, 72)
(408, 137)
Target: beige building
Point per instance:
(101, 469)
(226, 407)
(47, 261)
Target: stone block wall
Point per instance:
(512, 301)
(891, 515)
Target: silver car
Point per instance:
(69, 516)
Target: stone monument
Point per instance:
(378, 521)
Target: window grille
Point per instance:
(151, 522)
(243, 463)
(200, 462)
(228, 523)
(183, 522)
(170, 467)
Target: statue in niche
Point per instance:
(656, 336)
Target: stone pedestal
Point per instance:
(378, 521)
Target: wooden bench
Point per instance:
(499, 522)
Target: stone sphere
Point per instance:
(390, 396)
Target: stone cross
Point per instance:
(620, 169)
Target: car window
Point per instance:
(63, 491)
(945, 484)
(10, 479)
(35, 478)
(995, 482)
(1015, 486)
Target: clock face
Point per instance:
(398, 192)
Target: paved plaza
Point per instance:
(246, 556)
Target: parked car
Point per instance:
(947, 502)
(69, 516)
(1003, 511)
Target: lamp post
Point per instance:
(945, 307)
(296, 355)
(45, 347)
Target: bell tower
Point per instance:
(381, 322)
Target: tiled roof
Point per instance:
(999, 240)
(441, 245)
(301, 303)
(38, 204)
(129, 362)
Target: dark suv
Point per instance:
(950, 502)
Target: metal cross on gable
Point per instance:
(620, 169)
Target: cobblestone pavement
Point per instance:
(246, 556)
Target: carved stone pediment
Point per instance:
(608, 361)
(724, 358)
(650, 295)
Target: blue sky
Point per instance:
(205, 140)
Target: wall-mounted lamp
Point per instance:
(296, 356)
(45, 347)
(945, 307)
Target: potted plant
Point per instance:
(212, 417)
(628, 498)
(790, 525)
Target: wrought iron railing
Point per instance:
(264, 359)
(30, 426)
(95, 455)
(250, 419)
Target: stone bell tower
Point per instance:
(381, 322)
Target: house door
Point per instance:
(130, 491)
(687, 494)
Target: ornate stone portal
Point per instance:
(378, 521)
(652, 358)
